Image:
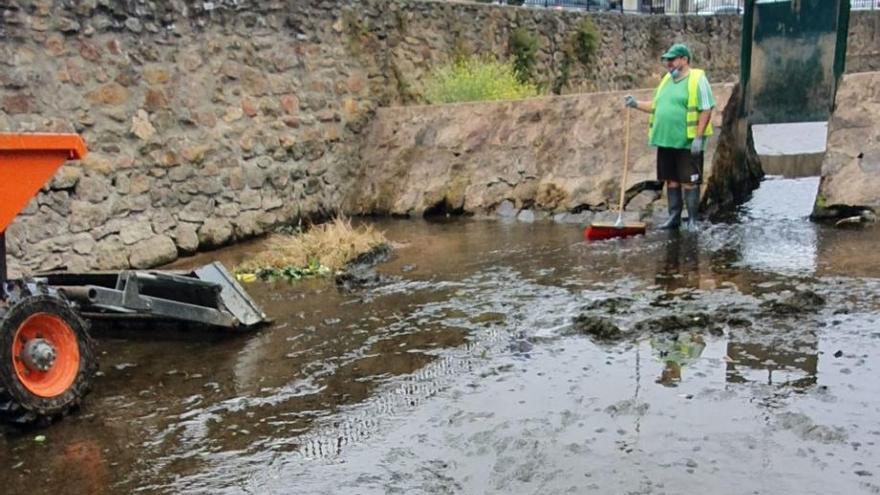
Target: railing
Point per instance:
(700, 7)
(708, 7)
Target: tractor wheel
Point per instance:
(47, 360)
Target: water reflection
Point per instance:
(676, 352)
(772, 365)
(679, 265)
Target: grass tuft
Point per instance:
(324, 249)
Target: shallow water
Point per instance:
(459, 373)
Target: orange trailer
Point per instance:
(47, 359)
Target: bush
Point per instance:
(524, 49)
(474, 79)
(585, 41)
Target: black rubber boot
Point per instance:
(673, 195)
(692, 200)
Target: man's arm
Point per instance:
(706, 104)
(631, 102)
(705, 117)
(644, 106)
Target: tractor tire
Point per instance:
(29, 395)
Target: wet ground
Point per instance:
(744, 361)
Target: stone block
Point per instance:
(152, 252)
(215, 232)
(111, 94)
(17, 103)
(93, 188)
(136, 231)
(156, 75)
(111, 254)
(141, 126)
(248, 224)
(197, 211)
(186, 237)
(85, 215)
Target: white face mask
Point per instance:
(674, 71)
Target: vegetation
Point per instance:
(582, 47)
(474, 79)
(585, 41)
(323, 250)
(524, 50)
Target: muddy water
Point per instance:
(461, 371)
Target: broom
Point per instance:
(604, 230)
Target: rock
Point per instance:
(152, 252)
(802, 301)
(139, 184)
(627, 407)
(57, 201)
(250, 199)
(93, 188)
(155, 100)
(111, 94)
(582, 218)
(643, 201)
(596, 327)
(611, 305)
(804, 427)
(156, 75)
(290, 104)
(527, 216)
(17, 104)
(135, 232)
(215, 232)
(674, 323)
(86, 216)
(248, 224)
(134, 25)
(141, 126)
(111, 254)
(233, 114)
(506, 209)
(84, 244)
(95, 162)
(361, 272)
(186, 237)
(197, 210)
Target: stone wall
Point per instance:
(213, 121)
(553, 154)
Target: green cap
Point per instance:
(677, 50)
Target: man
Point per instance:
(679, 125)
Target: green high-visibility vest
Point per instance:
(693, 113)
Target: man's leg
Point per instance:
(692, 192)
(674, 199)
(692, 200)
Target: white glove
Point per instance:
(697, 146)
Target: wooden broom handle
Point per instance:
(625, 159)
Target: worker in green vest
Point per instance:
(678, 126)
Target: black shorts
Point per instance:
(679, 165)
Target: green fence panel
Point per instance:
(792, 58)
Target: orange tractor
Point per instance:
(47, 358)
